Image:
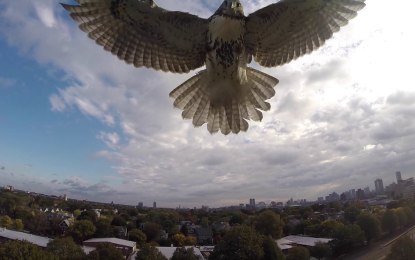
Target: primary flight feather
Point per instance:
(227, 92)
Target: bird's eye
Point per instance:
(238, 5)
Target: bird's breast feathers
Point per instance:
(226, 28)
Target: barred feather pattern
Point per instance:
(195, 99)
(286, 30)
(142, 34)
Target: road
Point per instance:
(380, 249)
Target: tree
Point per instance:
(106, 251)
(152, 231)
(23, 250)
(182, 253)
(240, 243)
(269, 224)
(182, 240)
(6, 222)
(65, 248)
(402, 249)
(390, 221)
(77, 213)
(409, 214)
(298, 253)
(83, 229)
(149, 252)
(351, 214)
(346, 237)
(237, 219)
(402, 218)
(118, 221)
(18, 224)
(104, 229)
(88, 215)
(321, 250)
(370, 225)
(271, 250)
(138, 236)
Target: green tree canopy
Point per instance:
(104, 228)
(347, 237)
(351, 214)
(21, 250)
(152, 231)
(182, 253)
(269, 223)
(138, 236)
(370, 225)
(271, 250)
(6, 222)
(321, 250)
(298, 253)
(106, 251)
(402, 249)
(149, 252)
(240, 243)
(18, 224)
(83, 229)
(390, 221)
(65, 248)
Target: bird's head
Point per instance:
(232, 8)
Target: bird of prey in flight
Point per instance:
(226, 93)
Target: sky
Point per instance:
(76, 120)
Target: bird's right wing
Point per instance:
(286, 30)
(141, 33)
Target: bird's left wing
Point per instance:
(141, 33)
(289, 29)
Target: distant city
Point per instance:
(402, 188)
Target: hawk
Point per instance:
(226, 93)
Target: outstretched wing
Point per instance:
(289, 29)
(141, 33)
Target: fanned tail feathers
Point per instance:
(230, 115)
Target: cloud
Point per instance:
(7, 82)
(341, 118)
(3, 168)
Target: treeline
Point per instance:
(351, 225)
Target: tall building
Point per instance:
(398, 177)
(140, 205)
(252, 203)
(154, 205)
(379, 186)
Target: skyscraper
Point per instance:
(379, 186)
(398, 177)
(252, 203)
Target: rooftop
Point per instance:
(112, 240)
(16, 235)
(288, 241)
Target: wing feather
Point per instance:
(141, 33)
(286, 30)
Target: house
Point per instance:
(204, 235)
(121, 232)
(65, 224)
(125, 246)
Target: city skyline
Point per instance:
(75, 120)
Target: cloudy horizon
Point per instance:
(74, 119)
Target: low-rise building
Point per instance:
(125, 246)
(6, 234)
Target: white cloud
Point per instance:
(7, 82)
(354, 92)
